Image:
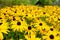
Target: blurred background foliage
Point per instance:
(27, 2)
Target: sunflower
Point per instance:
(31, 36)
(30, 29)
(5, 10)
(1, 36)
(18, 25)
(41, 26)
(3, 28)
(31, 19)
(28, 37)
(52, 35)
(19, 10)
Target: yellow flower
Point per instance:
(27, 37)
(18, 15)
(58, 18)
(18, 25)
(32, 36)
(4, 27)
(1, 36)
(41, 25)
(29, 28)
(52, 35)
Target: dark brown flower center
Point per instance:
(51, 37)
(0, 23)
(40, 24)
(44, 13)
(4, 13)
(51, 29)
(57, 35)
(18, 23)
(29, 27)
(26, 15)
(0, 18)
(58, 19)
(13, 18)
(15, 11)
(22, 10)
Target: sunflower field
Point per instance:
(29, 20)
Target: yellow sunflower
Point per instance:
(52, 35)
(3, 28)
(1, 36)
(41, 26)
(18, 25)
(32, 36)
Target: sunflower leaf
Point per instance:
(43, 18)
(38, 34)
(49, 24)
(28, 21)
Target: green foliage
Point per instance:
(38, 35)
(49, 24)
(7, 2)
(33, 1)
(27, 2)
(28, 21)
(43, 18)
(14, 35)
(47, 2)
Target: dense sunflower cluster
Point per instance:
(30, 22)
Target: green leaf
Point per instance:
(42, 1)
(38, 35)
(28, 21)
(9, 21)
(49, 24)
(9, 35)
(29, 1)
(43, 18)
(33, 1)
(25, 2)
(33, 26)
(16, 2)
(19, 35)
(47, 2)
